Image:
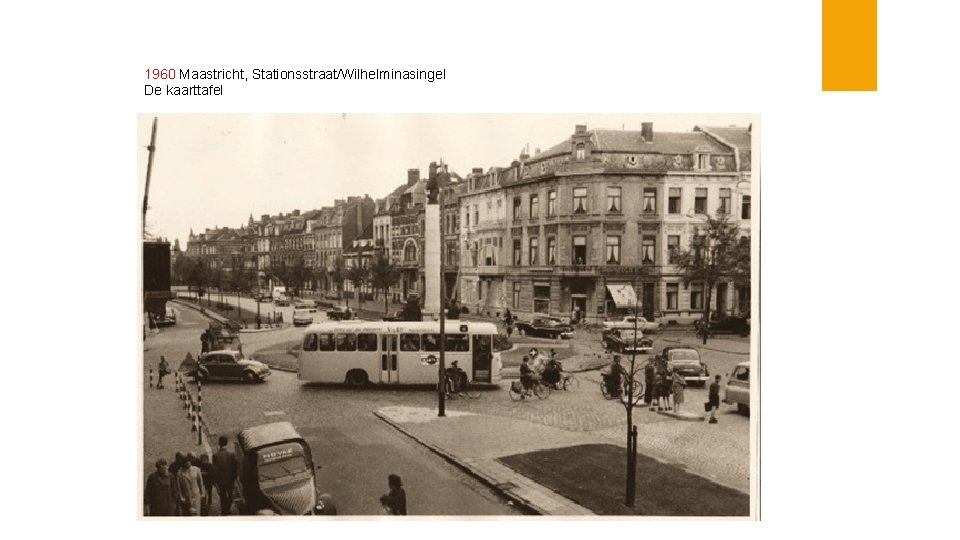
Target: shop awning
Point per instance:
(623, 295)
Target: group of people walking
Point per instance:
(185, 487)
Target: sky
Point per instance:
(215, 170)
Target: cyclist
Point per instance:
(457, 376)
(612, 379)
(536, 360)
(551, 372)
(527, 376)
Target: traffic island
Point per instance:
(592, 476)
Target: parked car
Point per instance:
(738, 388)
(169, 318)
(628, 322)
(281, 301)
(229, 365)
(622, 341)
(726, 324)
(337, 314)
(276, 472)
(394, 316)
(548, 327)
(687, 359)
(265, 298)
(303, 304)
(302, 317)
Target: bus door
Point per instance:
(482, 351)
(388, 359)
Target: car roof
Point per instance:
(258, 436)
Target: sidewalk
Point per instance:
(473, 442)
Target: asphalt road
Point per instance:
(355, 449)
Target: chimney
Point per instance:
(646, 131)
(296, 212)
(433, 170)
(413, 176)
(536, 152)
(477, 170)
(264, 217)
(580, 129)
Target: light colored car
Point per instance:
(622, 341)
(303, 304)
(302, 317)
(687, 361)
(628, 322)
(738, 388)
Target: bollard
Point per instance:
(193, 417)
(151, 378)
(199, 430)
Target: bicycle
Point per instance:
(624, 389)
(537, 387)
(457, 384)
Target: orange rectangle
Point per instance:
(849, 45)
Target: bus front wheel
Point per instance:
(357, 378)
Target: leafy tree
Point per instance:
(320, 275)
(716, 254)
(358, 275)
(383, 275)
(280, 273)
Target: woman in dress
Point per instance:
(678, 385)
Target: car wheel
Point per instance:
(357, 378)
(248, 377)
(743, 409)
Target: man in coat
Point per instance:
(160, 495)
(225, 469)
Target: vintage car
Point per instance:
(630, 322)
(738, 388)
(687, 360)
(281, 301)
(623, 340)
(302, 317)
(276, 472)
(725, 324)
(548, 327)
(304, 304)
(229, 365)
(169, 317)
(337, 314)
(394, 316)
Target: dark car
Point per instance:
(229, 366)
(394, 316)
(621, 340)
(547, 327)
(726, 324)
(337, 314)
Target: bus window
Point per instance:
(409, 342)
(310, 342)
(366, 342)
(346, 342)
(458, 343)
(326, 342)
(431, 342)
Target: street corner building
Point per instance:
(566, 228)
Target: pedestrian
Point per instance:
(527, 376)
(649, 377)
(190, 484)
(162, 369)
(395, 502)
(160, 496)
(454, 311)
(678, 385)
(204, 342)
(714, 399)
(536, 361)
(206, 474)
(663, 391)
(225, 469)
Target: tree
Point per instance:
(297, 274)
(383, 275)
(199, 277)
(339, 273)
(320, 275)
(716, 254)
(358, 275)
(280, 273)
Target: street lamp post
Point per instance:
(441, 393)
(631, 488)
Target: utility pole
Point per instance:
(442, 387)
(146, 189)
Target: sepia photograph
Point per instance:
(352, 316)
